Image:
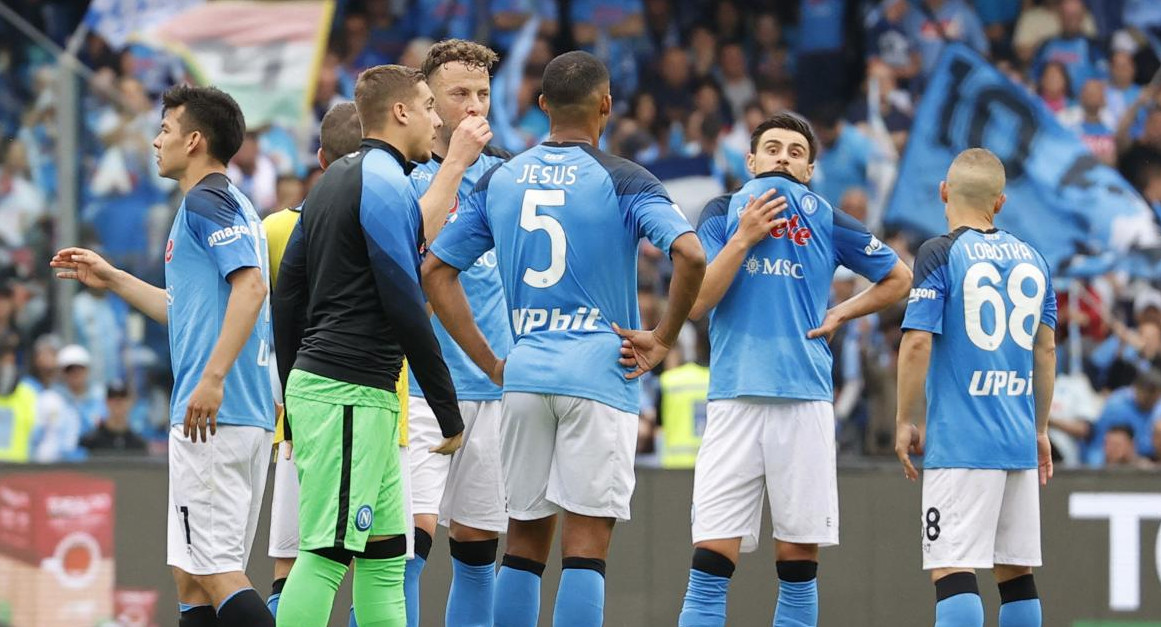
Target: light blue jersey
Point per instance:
(983, 294)
(216, 232)
(483, 288)
(565, 220)
(758, 330)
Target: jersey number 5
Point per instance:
(978, 290)
(532, 221)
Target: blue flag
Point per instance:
(1061, 199)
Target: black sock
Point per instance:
(277, 587)
(200, 616)
(245, 609)
(422, 543)
(1022, 588)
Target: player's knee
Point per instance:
(1006, 572)
(791, 552)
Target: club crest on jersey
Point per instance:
(169, 251)
(364, 517)
(793, 230)
(228, 235)
(809, 204)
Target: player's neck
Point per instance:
(196, 172)
(441, 146)
(977, 222)
(567, 134)
(394, 139)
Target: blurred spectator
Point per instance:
(157, 69)
(736, 83)
(101, 332)
(508, 16)
(1121, 92)
(291, 191)
(1039, 23)
(843, 156)
(703, 51)
(1053, 87)
(1075, 406)
(1138, 155)
(612, 30)
(17, 406)
(1120, 451)
(1132, 406)
(1091, 121)
(388, 34)
(768, 55)
(21, 202)
(112, 435)
(255, 175)
(443, 19)
(894, 106)
(415, 52)
(847, 368)
(673, 93)
(82, 396)
(932, 23)
(1081, 56)
(888, 41)
(58, 424)
(42, 367)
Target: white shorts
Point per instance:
(566, 453)
(751, 448)
(215, 495)
(284, 505)
(467, 486)
(976, 518)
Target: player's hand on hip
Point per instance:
(497, 373)
(202, 411)
(1044, 457)
(640, 350)
(84, 265)
(760, 216)
(908, 442)
(469, 139)
(449, 445)
(830, 324)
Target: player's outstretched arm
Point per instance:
(467, 141)
(1043, 384)
(450, 303)
(757, 220)
(891, 289)
(914, 358)
(643, 350)
(247, 295)
(86, 266)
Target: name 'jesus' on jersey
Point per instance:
(481, 284)
(758, 330)
(565, 220)
(216, 232)
(983, 295)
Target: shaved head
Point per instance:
(975, 180)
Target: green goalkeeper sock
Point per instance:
(378, 588)
(310, 591)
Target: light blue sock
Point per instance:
(517, 600)
(411, 573)
(797, 604)
(961, 610)
(272, 603)
(580, 599)
(473, 591)
(351, 622)
(1021, 614)
(705, 600)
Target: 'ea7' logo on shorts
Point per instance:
(363, 518)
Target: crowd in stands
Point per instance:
(690, 81)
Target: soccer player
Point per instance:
(361, 233)
(340, 134)
(472, 505)
(980, 333)
(770, 417)
(215, 306)
(565, 219)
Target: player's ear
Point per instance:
(1000, 203)
(809, 172)
(607, 105)
(752, 164)
(943, 191)
(322, 161)
(399, 110)
(543, 102)
(192, 140)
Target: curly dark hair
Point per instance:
(469, 53)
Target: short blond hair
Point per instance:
(976, 178)
(379, 88)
